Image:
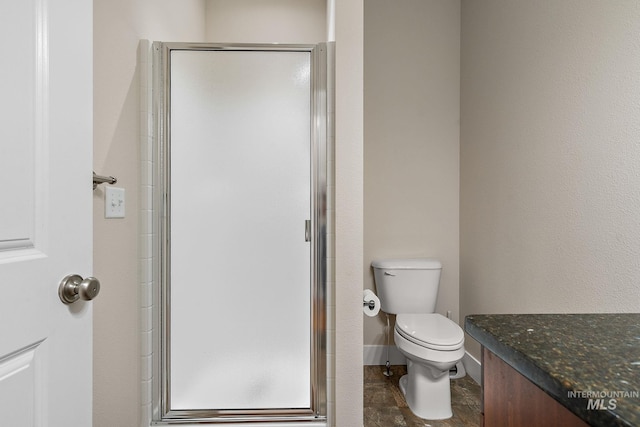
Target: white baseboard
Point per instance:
(473, 367)
(377, 355)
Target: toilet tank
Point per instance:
(407, 285)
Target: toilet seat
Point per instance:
(431, 330)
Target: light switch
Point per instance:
(114, 202)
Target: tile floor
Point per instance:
(384, 404)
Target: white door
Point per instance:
(45, 211)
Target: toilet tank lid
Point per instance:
(407, 264)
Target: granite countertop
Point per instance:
(573, 358)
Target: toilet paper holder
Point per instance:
(371, 304)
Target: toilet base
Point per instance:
(427, 396)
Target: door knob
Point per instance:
(74, 287)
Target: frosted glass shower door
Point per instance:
(240, 192)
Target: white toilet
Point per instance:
(431, 343)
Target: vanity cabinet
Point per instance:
(542, 370)
(510, 399)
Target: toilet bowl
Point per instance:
(432, 343)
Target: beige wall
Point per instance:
(550, 166)
(273, 21)
(118, 27)
(348, 211)
(412, 104)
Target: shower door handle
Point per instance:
(307, 230)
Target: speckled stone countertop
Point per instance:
(573, 358)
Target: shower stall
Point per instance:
(239, 189)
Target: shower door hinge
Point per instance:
(307, 230)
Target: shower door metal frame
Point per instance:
(161, 176)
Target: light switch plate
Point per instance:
(114, 202)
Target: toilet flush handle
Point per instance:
(386, 273)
